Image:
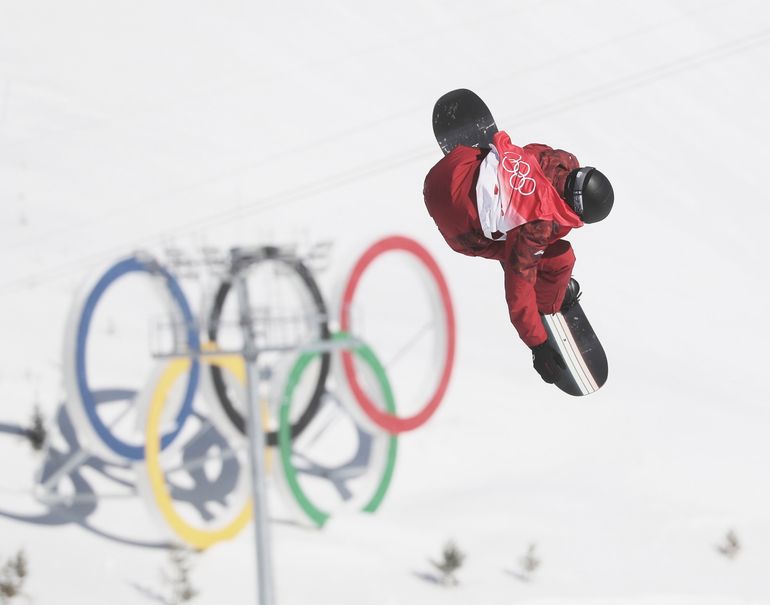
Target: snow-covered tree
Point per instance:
(452, 561)
(529, 562)
(731, 546)
(178, 577)
(12, 576)
(37, 433)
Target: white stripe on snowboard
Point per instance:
(589, 378)
(568, 351)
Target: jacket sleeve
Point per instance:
(524, 248)
(556, 163)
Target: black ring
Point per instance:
(272, 253)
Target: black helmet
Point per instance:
(589, 193)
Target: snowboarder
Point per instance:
(515, 205)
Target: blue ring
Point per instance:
(129, 265)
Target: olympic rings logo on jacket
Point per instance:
(519, 170)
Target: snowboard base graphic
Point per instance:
(460, 117)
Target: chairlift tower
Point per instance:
(261, 333)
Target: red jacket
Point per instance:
(450, 197)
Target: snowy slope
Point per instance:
(146, 125)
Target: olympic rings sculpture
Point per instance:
(301, 386)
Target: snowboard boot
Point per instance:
(571, 296)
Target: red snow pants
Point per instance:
(553, 275)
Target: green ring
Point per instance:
(315, 514)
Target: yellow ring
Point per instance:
(193, 536)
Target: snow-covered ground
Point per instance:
(129, 125)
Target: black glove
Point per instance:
(548, 362)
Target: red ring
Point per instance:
(395, 424)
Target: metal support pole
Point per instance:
(256, 439)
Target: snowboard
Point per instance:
(460, 117)
(571, 334)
